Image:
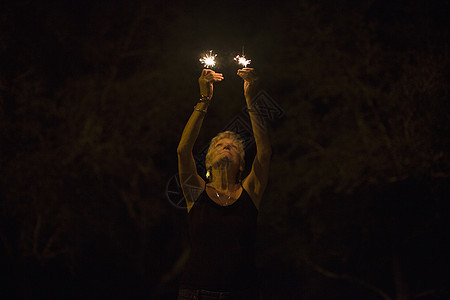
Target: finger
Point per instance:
(213, 77)
(206, 72)
(243, 74)
(245, 70)
(247, 74)
(211, 74)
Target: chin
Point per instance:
(222, 161)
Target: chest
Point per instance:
(212, 223)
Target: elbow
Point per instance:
(181, 149)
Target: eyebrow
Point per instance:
(232, 144)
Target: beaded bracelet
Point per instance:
(200, 110)
(205, 99)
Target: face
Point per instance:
(226, 149)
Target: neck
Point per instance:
(224, 178)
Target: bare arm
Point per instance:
(256, 182)
(191, 183)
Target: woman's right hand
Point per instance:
(206, 81)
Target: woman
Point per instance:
(222, 213)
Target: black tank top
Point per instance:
(222, 240)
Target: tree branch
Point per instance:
(424, 294)
(331, 274)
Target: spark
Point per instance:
(209, 60)
(242, 60)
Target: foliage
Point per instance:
(94, 98)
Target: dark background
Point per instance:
(93, 99)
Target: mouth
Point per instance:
(225, 151)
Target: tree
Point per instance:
(363, 165)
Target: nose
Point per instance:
(227, 147)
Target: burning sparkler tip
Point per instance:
(209, 60)
(242, 60)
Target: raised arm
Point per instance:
(191, 183)
(256, 182)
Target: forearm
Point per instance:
(260, 130)
(192, 128)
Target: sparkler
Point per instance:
(242, 60)
(209, 60)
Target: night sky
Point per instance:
(94, 96)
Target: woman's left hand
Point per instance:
(251, 81)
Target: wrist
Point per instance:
(201, 107)
(202, 104)
(251, 102)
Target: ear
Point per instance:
(208, 174)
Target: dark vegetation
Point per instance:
(94, 96)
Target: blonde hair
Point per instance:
(226, 135)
